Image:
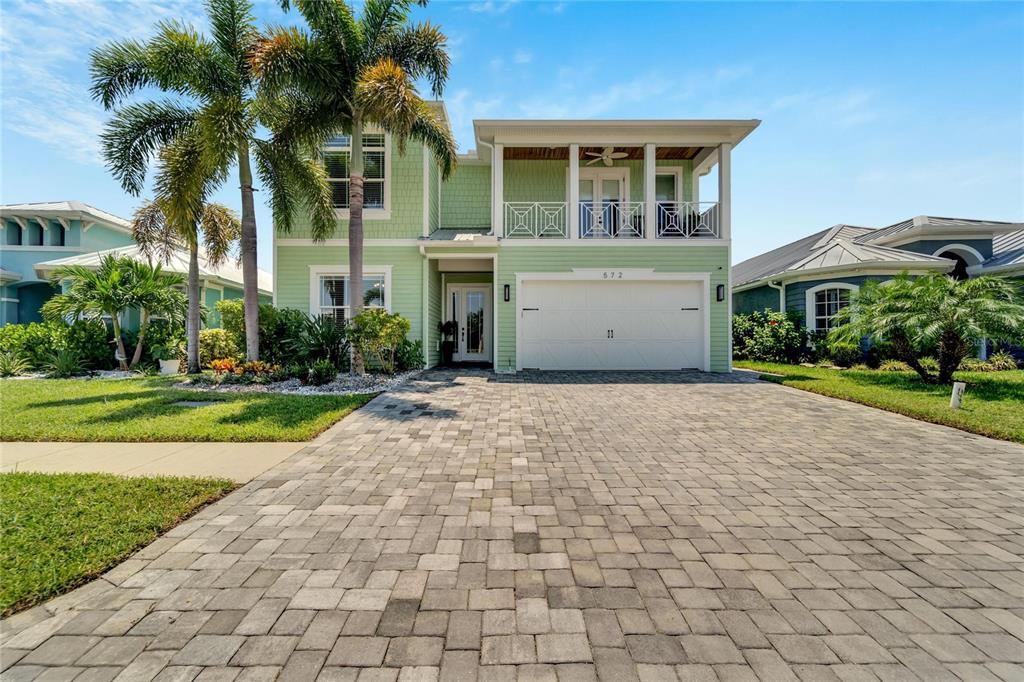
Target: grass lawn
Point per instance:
(143, 410)
(993, 404)
(67, 528)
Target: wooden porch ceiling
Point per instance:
(562, 153)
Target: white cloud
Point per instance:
(491, 7)
(44, 47)
(522, 57)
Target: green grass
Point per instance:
(59, 530)
(143, 410)
(993, 404)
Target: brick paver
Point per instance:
(576, 527)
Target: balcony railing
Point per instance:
(688, 220)
(536, 220)
(612, 220)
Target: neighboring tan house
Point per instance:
(556, 245)
(38, 238)
(816, 275)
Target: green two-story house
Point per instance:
(554, 245)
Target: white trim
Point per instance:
(618, 243)
(599, 275)
(961, 247)
(413, 241)
(426, 193)
(488, 327)
(498, 190)
(40, 247)
(886, 269)
(676, 171)
(370, 213)
(424, 311)
(9, 300)
(318, 271)
(573, 189)
(494, 288)
(809, 311)
(650, 173)
(490, 243)
(725, 190)
(728, 310)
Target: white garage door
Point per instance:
(611, 324)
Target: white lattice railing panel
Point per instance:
(536, 220)
(688, 220)
(612, 220)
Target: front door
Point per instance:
(601, 193)
(470, 306)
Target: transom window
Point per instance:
(335, 295)
(337, 156)
(827, 303)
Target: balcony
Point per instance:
(616, 220)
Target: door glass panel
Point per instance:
(586, 207)
(475, 322)
(609, 200)
(455, 317)
(665, 188)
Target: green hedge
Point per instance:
(35, 342)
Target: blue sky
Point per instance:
(872, 112)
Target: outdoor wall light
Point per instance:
(720, 292)
(508, 293)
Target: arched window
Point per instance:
(963, 255)
(824, 301)
(959, 271)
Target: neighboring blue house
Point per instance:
(815, 276)
(35, 239)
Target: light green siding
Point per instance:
(293, 272)
(432, 351)
(406, 196)
(535, 180)
(434, 195)
(663, 258)
(466, 197)
(468, 277)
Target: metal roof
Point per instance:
(843, 252)
(923, 225)
(227, 273)
(74, 210)
(1007, 251)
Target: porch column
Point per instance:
(498, 190)
(724, 190)
(573, 205)
(650, 207)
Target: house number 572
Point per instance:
(613, 275)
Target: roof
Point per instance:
(228, 273)
(458, 234)
(71, 210)
(692, 132)
(8, 276)
(924, 226)
(836, 248)
(1007, 252)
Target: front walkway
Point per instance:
(240, 462)
(577, 525)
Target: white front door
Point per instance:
(470, 306)
(620, 324)
(602, 190)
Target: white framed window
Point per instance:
(337, 155)
(330, 292)
(824, 302)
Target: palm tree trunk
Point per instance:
(355, 238)
(192, 321)
(143, 327)
(122, 355)
(248, 250)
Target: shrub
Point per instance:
(894, 366)
(12, 364)
(377, 333)
(1001, 362)
(223, 366)
(842, 354)
(409, 355)
(164, 340)
(35, 342)
(63, 363)
(216, 344)
(768, 336)
(321, 338)
(255, 368)
(278, 328)
(322, 372)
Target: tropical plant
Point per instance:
(321, 338)
(223, 366)
(116, 285)
(409, 355)
(768, 336)
(378, 333)
(12, 364)
(322, 372)
(209, 127)
(915, 314)
(353, 72)
(215, 344)
(160, 235)
(63, 363)
(279, 327)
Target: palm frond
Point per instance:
(155, 237)
(386, 95)
(221, 230)
(379, 19)
(135, 134)
(333, 23)
(183, 61)
(289, 58)
(422, 51)
(437, 137)
(234, 31)
(117, 70)
(295, 182)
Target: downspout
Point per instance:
(781, 288)
(491, 148)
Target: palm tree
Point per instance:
(216, 113)
(352, 72)
(117, 285)
(934, 313)
(159, 238)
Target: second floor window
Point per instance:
(337, 158)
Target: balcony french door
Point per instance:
(604, 204)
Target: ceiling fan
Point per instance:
(606, 155)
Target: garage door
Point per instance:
(611, 324)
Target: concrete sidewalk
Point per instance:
(240, 462)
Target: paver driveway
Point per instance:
(618, 526)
